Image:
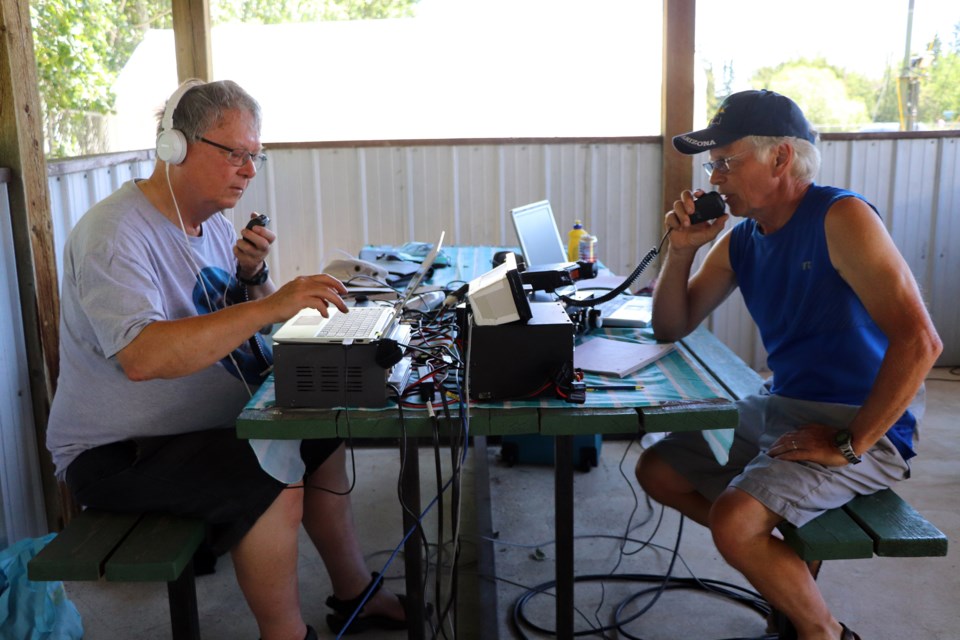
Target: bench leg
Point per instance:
(182, 593)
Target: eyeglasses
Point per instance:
(239, 157)
(721, 165)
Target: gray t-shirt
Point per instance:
(125, 266)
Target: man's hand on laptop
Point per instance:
(316, 291)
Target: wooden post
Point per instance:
(679, 18)
(191, 33)
(21, 149)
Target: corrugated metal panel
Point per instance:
(333, 200)
(326, 200)
(72, 194)
(941, 287)
(21, 497)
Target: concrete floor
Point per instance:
(881, 598)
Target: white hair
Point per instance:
(806, 156)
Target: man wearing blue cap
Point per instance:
(848, 338)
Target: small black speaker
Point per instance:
(388, 353)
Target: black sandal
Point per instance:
(847, 634)
(343, 609)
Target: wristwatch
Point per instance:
(259, 278)
(844, 442)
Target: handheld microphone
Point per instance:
(261, 220)
(707, 207)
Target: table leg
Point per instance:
(563, 529)
(410, 489)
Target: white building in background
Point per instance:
(575, 75)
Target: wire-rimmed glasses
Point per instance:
(239, 157)
(721, 165)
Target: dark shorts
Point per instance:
(209, 474)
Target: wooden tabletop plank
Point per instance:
(723, 364)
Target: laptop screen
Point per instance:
(538, 234)
(422, 272)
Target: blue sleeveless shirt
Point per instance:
(821, 343)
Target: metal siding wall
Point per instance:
(323, 201)
(72, 194)
(479, 202)
(943, 286)
(391, 195)
(914, 189)
(22, 513)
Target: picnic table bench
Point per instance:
(120, 547)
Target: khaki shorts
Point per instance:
(798, 491)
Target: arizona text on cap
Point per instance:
(748, 113)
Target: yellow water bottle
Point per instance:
(573, 241)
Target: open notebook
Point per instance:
(361, 324)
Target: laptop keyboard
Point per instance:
(359, 323)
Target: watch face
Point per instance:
(842, 437)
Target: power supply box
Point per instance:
(516, 360)
(332, 375)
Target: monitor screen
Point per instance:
(538, 235)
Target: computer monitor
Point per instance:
(537, 232)
(497, 296)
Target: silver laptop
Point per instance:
(537, 232)
(361, 324)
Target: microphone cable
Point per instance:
(613, 293)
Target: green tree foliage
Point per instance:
(838, 100)
(831, 98)
(81, 46)
(277, 11)
(940, 84)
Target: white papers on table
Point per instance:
(617, 357)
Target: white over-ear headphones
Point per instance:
(171, 143)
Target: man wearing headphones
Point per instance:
(162, 305)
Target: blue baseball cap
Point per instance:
(748, 113)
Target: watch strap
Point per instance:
(259, 278)
(845, 444)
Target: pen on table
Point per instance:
(615, 387)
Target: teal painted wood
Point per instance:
(287, 424)
(503, 422)
(158, 549)
(831, 536)
(691, 416)
(81, 550)
(576, 422)
(897, 529)
(722, 363)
